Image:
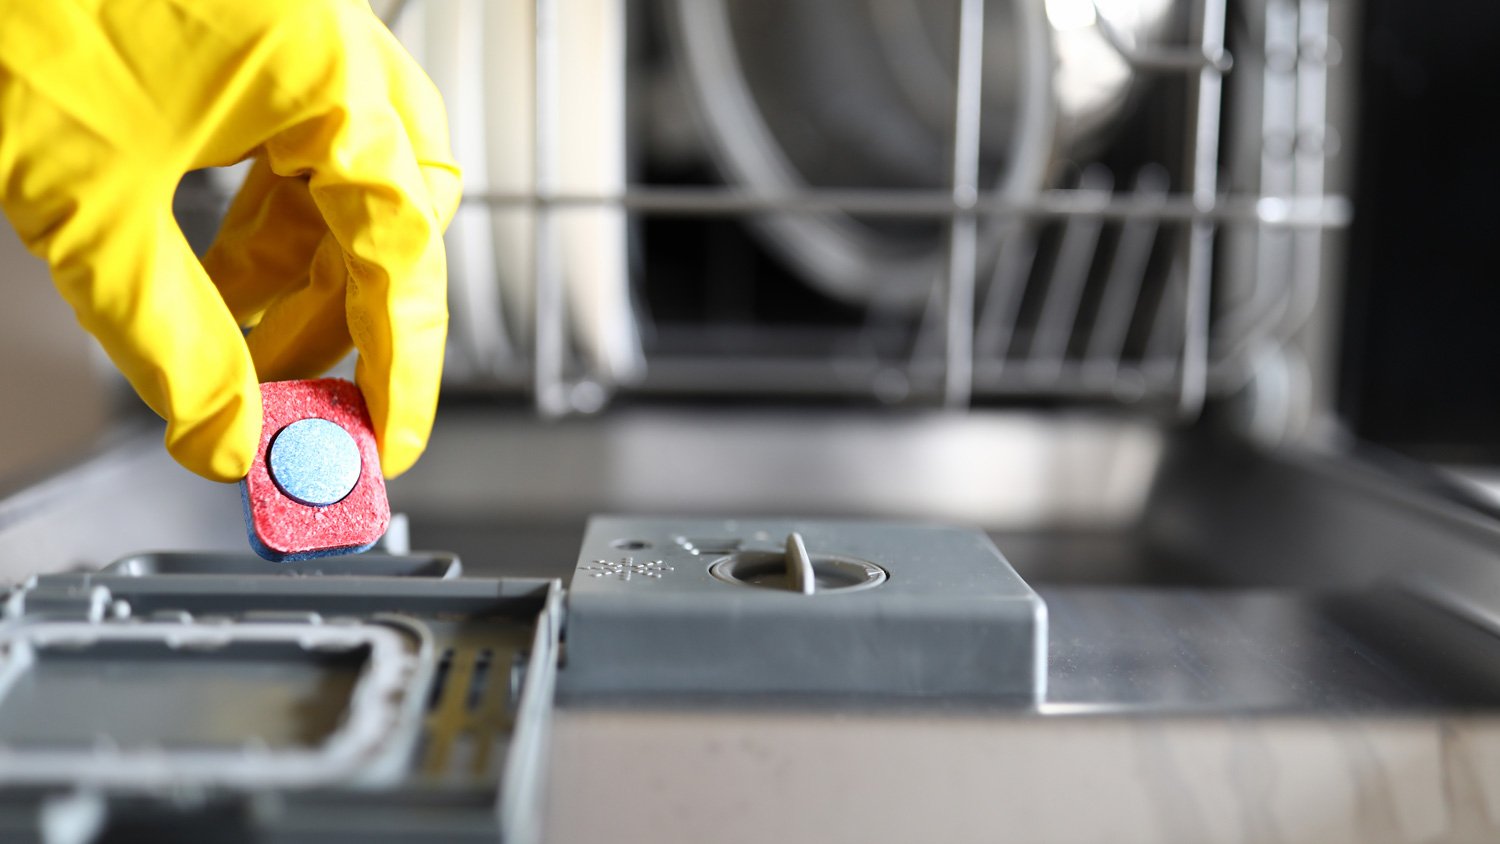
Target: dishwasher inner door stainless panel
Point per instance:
(1288, 645)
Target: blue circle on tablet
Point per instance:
(314, 462)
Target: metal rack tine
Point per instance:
(474, 277)
(1164, 341)
(1117, 304)
(1006, 290)
(928, 346)
(1198, 270)
(1308, 212)
(963, 231)
(550, 331)
(1063, 292)
(1127, 274)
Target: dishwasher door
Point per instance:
(1243, 644)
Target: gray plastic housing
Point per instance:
(647, 615)
(376, 698)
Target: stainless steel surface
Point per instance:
(996, 470)
(1173, 714)
(1184, 650)
(963, 229)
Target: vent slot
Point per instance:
(479, 681)
(440, 679)
(469, 710)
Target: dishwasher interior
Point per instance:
(1066, 273)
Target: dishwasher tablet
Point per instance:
(315, 488)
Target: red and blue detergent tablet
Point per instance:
(315, 488)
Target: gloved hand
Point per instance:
(335, 238)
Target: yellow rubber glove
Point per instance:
(335, 238)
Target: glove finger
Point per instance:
(419, 106)
(374, 199)
(265, 243)
(306, 331)
(135, 284)
(368, 182)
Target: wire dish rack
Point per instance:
(1157, 277)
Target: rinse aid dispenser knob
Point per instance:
(797, 570)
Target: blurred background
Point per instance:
(1019, 245)
(752, 201)
(1062, 230)
(1111, 204)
